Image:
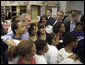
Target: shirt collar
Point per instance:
(16, 38)
(72, 22)
(49, 17)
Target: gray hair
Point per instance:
(23, 16)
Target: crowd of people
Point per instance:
(52, 41)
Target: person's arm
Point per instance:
(73, 56)
(7, 36)
(67, 61)
(8, 39)
(10, 42)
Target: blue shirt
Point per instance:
(72, 26)
(11, 34)
(79, 34)
(80, 37)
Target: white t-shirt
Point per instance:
(39, 59)
(16, 41)
(14, 60)
(70, 61)
(49, 29)
(62, 55)
(51, 54)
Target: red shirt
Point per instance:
(21, 62)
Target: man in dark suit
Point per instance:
(70, 25)
(51, 20)
(59, 17)
(8, 15)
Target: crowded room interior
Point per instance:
(42, 32)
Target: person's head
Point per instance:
(41, 29)
(26, 48)
(26, 18)
(18, 27)
(59, 27)
(52, 39)
(41, 46)
(68, 13)
(32, 30)
(73, 11)
(44, 20)
(49, 12)
(70, 39)
(60, 15)
(75, 16)
(79, 26)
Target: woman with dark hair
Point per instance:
(41, 47)
(33, 32)
(41, 32)
(43, 20)
(59, 29)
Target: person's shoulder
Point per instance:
(38, 56)
(70, 61)
(67, 61)
(53, 48)
(74, 31)
(52, 18)
(67, 22)
(78, 62)
(82, 31)
(62, 50)
(40, 59)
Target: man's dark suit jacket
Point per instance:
(51, 21)
(9, 16)
(67, 25)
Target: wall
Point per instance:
(70, 5)
(63, 5)
(77, 5)
(13, 3)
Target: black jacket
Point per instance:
(9, 16)
(67, 25)
(51, 21)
